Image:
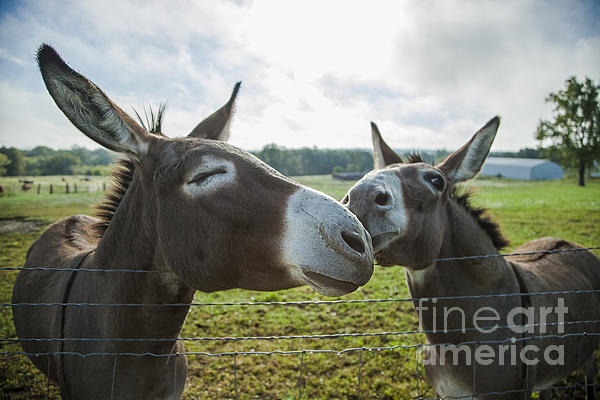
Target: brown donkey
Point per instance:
(416, 216)
(202, 214)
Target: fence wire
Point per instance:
(511, 340)
(109, 270)
(303, 352)
(305, 302)
(321, 336)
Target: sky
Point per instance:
(314, 73)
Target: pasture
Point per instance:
(525, 210)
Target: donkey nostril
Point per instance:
(382, 198)
(354, 240)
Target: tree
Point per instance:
(574, 131)
(4, 161)
(16, 164)
(40, 151)
(61, 163)
(101, 157)
(83, 154)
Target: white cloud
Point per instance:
(314, 73)
(4, 54)
(29, 119)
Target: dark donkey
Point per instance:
(202, 214)
(416, 214)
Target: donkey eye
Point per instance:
(436, 181)
(202, 176)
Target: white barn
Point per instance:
(529, 169)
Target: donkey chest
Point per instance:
(448, 381)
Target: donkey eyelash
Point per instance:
(198, 178)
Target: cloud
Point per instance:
(25, 114)
(4, 54)
(314, 73)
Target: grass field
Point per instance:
(526, 210)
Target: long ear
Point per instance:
(88, 108)
(216, 126)
(382, 153)
(466, 162)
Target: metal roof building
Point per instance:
(530, 169)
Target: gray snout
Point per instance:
(328, 243)
(367, 197)
(377, 203)
(350, 240)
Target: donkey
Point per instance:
(199, 213)
(417, 216)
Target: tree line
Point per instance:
(42, 160)
(313, 161)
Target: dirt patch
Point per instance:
(20, 225)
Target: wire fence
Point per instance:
(89, 185)
(418, 348)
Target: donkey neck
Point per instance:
(463, 237)
(130, 243)
(130, 240)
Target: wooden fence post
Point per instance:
(67, 187)
(39, 188)
(51, 191)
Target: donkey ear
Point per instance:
(89, 109)
(216, 126)
(382, 153)
(466, 162)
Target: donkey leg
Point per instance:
(590, 369)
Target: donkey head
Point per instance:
(403, 205)
(212, 213)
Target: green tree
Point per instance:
(16, 164)
(60, 164)
(3, 162)
(40, 151)
(84, 155)
(101, 157)
(574, 131)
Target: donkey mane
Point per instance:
(153, 121)
(121, 179)
(485, 222)
(414, 158)
(462, 198)
(123, 173)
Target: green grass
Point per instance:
(529, 210)
(526, 210)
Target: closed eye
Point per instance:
(202, 176)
